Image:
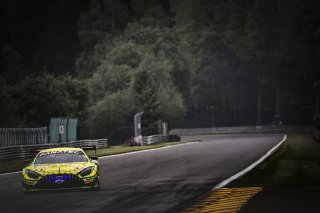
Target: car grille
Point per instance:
(59, 181)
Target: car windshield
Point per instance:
(60, 157)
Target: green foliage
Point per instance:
(237, 61)
(8, 107)
(42, 97)
(234, 46)
(146, 96)
(112, 116)
(98, 24)
(141, 62)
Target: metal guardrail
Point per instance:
(23, 136)
(28, 151)
(153, 139)
(240, 130)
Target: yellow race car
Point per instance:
(61, 168)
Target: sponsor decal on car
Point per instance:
(60, 152)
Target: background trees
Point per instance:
(139, 65)
(194, 63)
(34, 100)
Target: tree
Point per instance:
(100, 23)
(112, 117)
(144, 62)
(8, 106)
(42, 97)
(147, 100)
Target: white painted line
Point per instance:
(116, 155)
(146, 150)
(10, 173)
(249, 168)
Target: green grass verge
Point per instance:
(290, 178)
(18, 164)
(125, 149)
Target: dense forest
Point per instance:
(193, 63)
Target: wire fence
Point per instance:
(23, 142)
(23, 136)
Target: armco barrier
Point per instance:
(240, 130)
(153, 139)
(27, 151)
(23, 136)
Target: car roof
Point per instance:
(61, 149)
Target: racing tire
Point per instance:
(25, 191)
(96, 185)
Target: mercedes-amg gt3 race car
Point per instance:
(61, 168)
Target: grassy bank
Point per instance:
(18, 164)
(125, 149)
(290, 178)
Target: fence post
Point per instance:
(1, 138)
(6, 137)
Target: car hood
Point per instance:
(63, 168)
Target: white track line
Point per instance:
(116, 155)
(223, 183)
(146, 150)
(249, 168)
(10, 173)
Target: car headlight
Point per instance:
(32, 174)
(87, 171)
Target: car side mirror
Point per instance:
(94, 157)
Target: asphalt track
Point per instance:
(162, 180)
